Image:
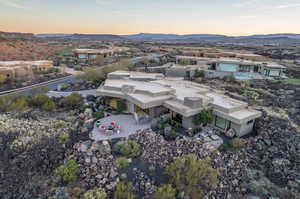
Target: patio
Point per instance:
(127, 125)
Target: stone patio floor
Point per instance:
(127, 123)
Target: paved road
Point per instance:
(84, 93)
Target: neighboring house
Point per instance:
(240, 68)
(181, 100)
(188, 72)
(88, 55)
(17, 69)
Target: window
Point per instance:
(222, 123)
(250, 122)
(274, 73)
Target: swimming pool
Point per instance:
(243, 76)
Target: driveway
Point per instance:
(84, 93)
(127, 123)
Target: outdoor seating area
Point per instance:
(117, 126)
(108, 129)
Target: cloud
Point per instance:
(284, 6)
(13, 3)
(245, 3)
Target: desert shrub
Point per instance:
(121, 106)
(192, 175)
(20, 104)
(60, 124)
(235, 144)
(252, 94)
(230, 79)
(64, 138)
(129, 148)
(43, 101)
(203, 118)
(49, 106)
(199, 73)
(74, 100)
(124, 191)
(122, 162)
(5, 103)
(98, 115)
(165, 191)
(96, 193)
(2, 79)
(94, 75)
(67, 172)
(238, 143)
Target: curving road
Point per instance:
(84, 93)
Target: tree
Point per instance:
(67, 171)
(129, 148)
(192, 175)
(96, 193)
(203, 118)
(166, 191)
(2, 79)
(121, 106)
(74, 100)
(124, 191)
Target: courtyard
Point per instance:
(126, 123)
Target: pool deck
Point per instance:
(128, 127)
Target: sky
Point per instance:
(229, 17)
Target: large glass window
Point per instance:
(82, 56)
(222, 123)
(228, 67)
(274, 73)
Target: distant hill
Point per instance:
(153, 37)
(96, 37)
(52, 35)
(149, 36)
(16, 35)
(272, 36)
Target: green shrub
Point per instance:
(233, 145)
(43, 101)
(122, 162)
(129, 149)
(96, 193)
(67, 171)
(252, 94)
(20, 104)
(124, 191)
(60, 124)
(199, 73)
(121, 106)
(5, 103)
(49, 106)
(64, 138)
(203, 118)
(238, 143)
(192, 175)
(72, 101)
(166, 191)
(39, 100)
(98, 115)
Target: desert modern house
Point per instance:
(16, 69)
(240, 68)
(155, 95)
(83, 55)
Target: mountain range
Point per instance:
(160, 37)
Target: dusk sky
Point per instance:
(230, 17)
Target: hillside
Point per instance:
(27, 50)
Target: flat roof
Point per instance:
(95, 51)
